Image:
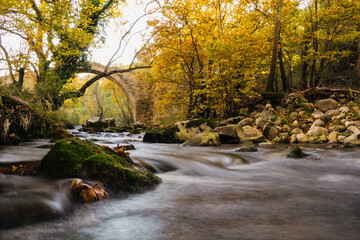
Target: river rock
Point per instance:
(161, 135)
(95, 124)
(318, 123)
(333, 137)
(339, 117)
(60, 133)
(253, 134)
(353, 139)
(246, 121)
(332, 113)
(260, 122)
(317, 114)
(228, 121)
(204, 139)
(293, 116)
(317, 134)
(244, 112)
(352, 123)
(302, 138)
(296, 131)
(326, 104)
(295, 152)
(230, 134)
(344, 109)
(270, 131)
(190, 128)
(71, 158)
(293, 138)
(338, 128)
(353, 129)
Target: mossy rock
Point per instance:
(161, 135)
(120, 129)
(296, 152)
(200, 121)
(71, 158)
(60, 133)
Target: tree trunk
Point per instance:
(304, 66)
(271, 78)
(284, 79)
(20, 82)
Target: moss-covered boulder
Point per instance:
(71, 158)
(161, 135)
(60, 133)
(204, 139)
(190, 128)
(295, 152)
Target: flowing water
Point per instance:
(207, 193)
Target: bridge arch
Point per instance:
(124, 80)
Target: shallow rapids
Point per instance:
(211, 193)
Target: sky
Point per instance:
(131, 13)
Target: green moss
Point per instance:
(84, 159)
(161, 134)
(295, 152)
(253, 149)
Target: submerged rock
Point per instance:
(71, 158)
(295, 152)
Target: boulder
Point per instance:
(353, 129)
(332, 113)
(71, 158)
(317, 134)
(338, 128)
(296, 131)
(326, 104)
(302, 138)
(110, 122)
(230, 134)
(317, 114)
(295, 152)
(253, 134)
(60, 133)
(293, 138)
(204, 139)
(339, 117)
(333, 137)
(344, 109)
(244, 112)
(353, 139)
(318, 123)
(270, 131)
(246, 121)
(95, 124)
(247, 149)
(190, 128)
(260, 122)
(161, 135)
(352, 123)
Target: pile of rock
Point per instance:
(299, 121)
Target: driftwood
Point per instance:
(325, 92)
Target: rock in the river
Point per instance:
(203, 139)
(326, 104)
(332, 113)
(253, 134)
(190, 128)
(60, 133)
(161, 135)
(333, 137)
(71, 158)
(338, 128)
(295, 152)
(317, 134)
(230, 134)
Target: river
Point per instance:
(207, 193)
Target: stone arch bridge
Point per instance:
(128, 84)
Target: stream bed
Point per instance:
(207, 193)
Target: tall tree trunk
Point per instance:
(20, 82)
(271, 78)
(284, 79)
